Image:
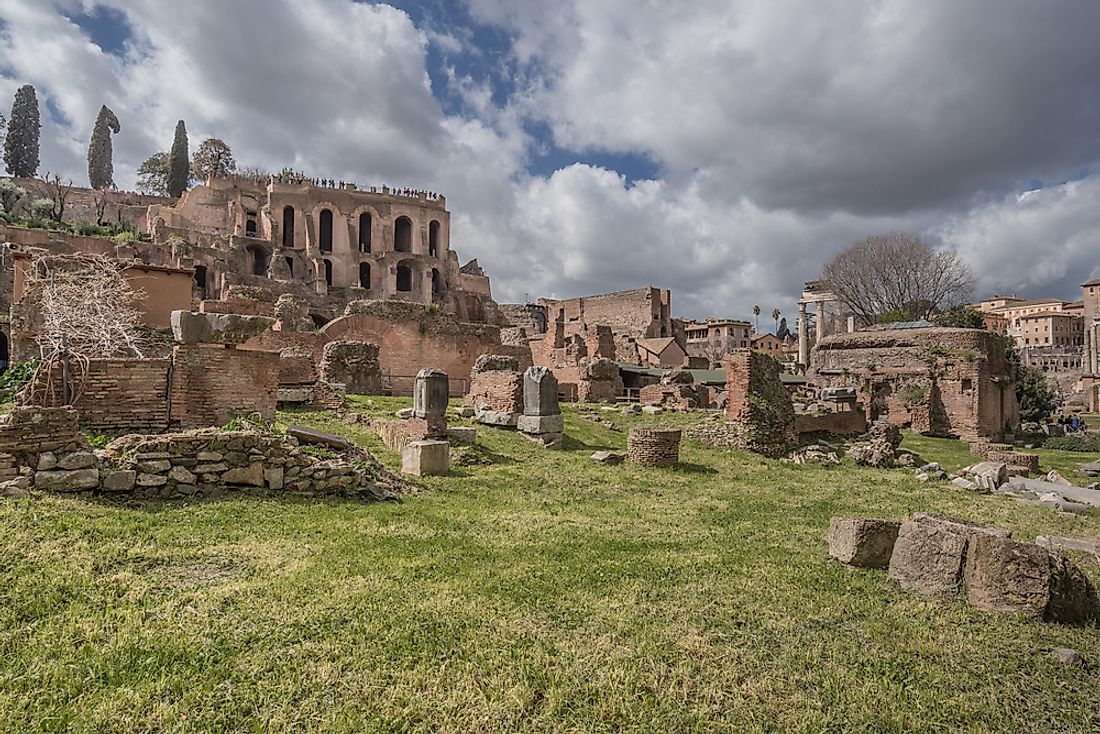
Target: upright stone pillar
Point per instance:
(821, 318)
(803, 336)
(542, 418)
(431, 391)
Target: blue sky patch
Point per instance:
(107, 28)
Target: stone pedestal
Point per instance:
(426, 458)
(540, 392)
(431, 391)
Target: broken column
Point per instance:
(431, 392)
(758, 405)
(542, 419)
(653, 446)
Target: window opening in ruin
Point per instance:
(364, 275)
(967, 384)
(328, 272)
(318, 320)
(404, 278)
(325, 237)
(433, 239)
(250, 228)
(288, 226)
(200, 278)
(364, 232)
(261, 260)
(290, 266)
(3, 352)
(402, 234)
(435, 282)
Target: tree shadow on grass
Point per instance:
(571, 443)
(155, 505)
(688, 468)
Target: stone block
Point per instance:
(120, 480)
(426, 458)
(930, 553)
(463, 435)
(540, 392)
(864, 542)
(498, 418)
(252, 475)
(608, 457)
(431, 391)
(61, 480)
(77, 460)
(988, 475)
(47, 461)
(317, 438)
(273, 477)
(151, 480)
(217, 328)
(539, 424)
(181, 475)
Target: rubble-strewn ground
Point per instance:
(529, 591)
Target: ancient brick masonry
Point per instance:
(28, 432)
(211, 384)
(599, 379)
(353, 364)
(758, 405)
(653, 446)
(496, 384)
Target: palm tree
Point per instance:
(776, 313)
(756, 313)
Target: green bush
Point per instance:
(1082, 444)
(18, 375)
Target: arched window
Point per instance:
(200, 278)
(328, 273)
(403, 234)
(433, 239)
(325, 236)
(435, 282)
(364, 275)
(364, 232)
(250, 228)
(290, 266)
(404, 278)
(288, 226)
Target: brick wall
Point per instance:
(117, 396)
(501, 390)
(653, 447)
(212, 384)
(758, 404)
(27, 432)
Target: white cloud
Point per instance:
(783, 130)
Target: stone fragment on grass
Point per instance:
(1069, 656)
(863, 542)
(930, 553)
(608, 457)
(426, 458)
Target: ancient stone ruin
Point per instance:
(353, 364)
(653, 447)
(943, 557)
(542, 420)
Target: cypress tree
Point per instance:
(179, 162)
(21, 143)
(101, 168)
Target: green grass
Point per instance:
(540, 592)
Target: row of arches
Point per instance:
(403, 277)
(402, 232)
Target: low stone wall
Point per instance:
(674, 397)
(500, 390)
(982, 448)
(840, 423)
(653, 446)
(397, 434)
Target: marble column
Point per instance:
(803, 336)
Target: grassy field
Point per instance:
(531, 591)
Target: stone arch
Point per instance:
(433, 238)
(364, 275)
(366, 223)
(328, 272)
(288, 226)
(437, 282)
(324, 230)
(402, 234)
(404, 282)
(290, 266)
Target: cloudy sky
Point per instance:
(724, 149)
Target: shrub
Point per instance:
(1082, 444)
(41, 211)
(18, 375)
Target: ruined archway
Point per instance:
(288, 226)
(259, 259)
(404, 278)
(364, 232)
(324, 236)
(328, 273)
(402, 234)
(200, 279)
(437, 282)
(364, 275)
(433, 238)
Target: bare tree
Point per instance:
(59, 194)
(898, 274)
(87, 309)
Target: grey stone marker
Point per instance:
(540, 392)
(431, 391)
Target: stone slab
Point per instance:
(317, 438)
(540, 424)
(426, 458)
(863, 542)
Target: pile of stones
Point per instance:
(943, 557)
(210, 461)
(879, 448)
